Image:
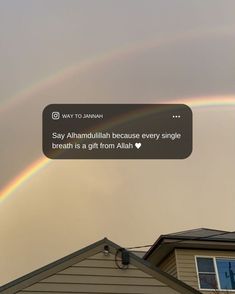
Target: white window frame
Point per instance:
(214, 258)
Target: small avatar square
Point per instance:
(55, 115)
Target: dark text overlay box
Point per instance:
(117, 131)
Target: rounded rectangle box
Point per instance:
(117, 131)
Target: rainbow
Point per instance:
(42, 162)
(104, 58)
(23, 177)
(107, 57)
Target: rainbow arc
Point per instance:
(42, 162)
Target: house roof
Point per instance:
(63, 263)
(201, 238)
(210, 234)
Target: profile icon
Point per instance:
(55, 115)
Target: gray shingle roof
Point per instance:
(198, 238)
(203, 233)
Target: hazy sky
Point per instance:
(121, 51)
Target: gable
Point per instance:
(91, 271)
(99, 274)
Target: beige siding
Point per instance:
(169, 265)
(99, 274)
(186, 267)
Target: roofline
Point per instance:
(94, 248)
(184, 238)
(155, 245)
(198, 229)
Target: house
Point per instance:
(202, 258)
(103, 267)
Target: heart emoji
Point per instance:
(138, 145)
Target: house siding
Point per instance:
(186, 267)
(99, 274)
(168, 265)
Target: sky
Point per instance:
(110, 51)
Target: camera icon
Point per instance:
(55, 115)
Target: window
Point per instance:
(226, 272)
(206, 273)
(216, 273)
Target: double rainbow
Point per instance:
(42, 162)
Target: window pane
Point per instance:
(205, 265)
(208, 281)
(226, 270)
